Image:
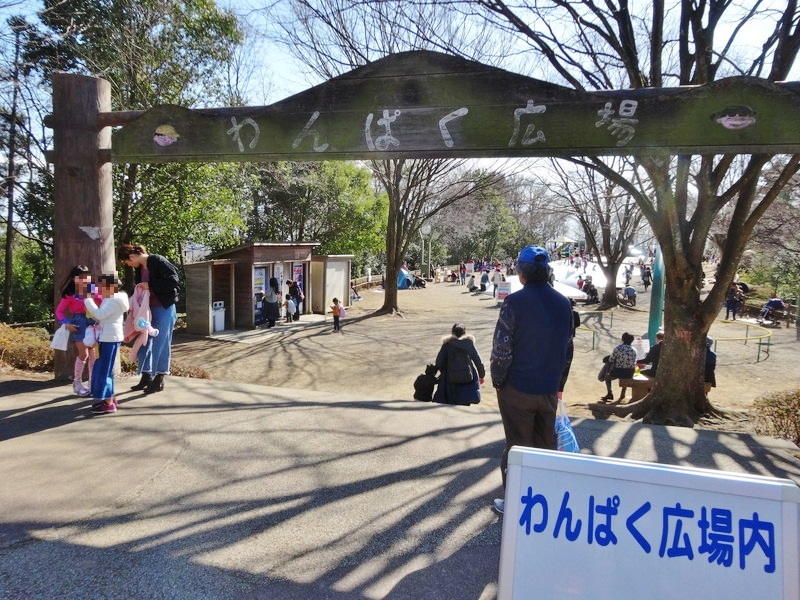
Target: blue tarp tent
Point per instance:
(404, 279)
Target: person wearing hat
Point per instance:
(497, 279)
(529, 351)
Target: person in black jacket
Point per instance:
(159, 276)
(462, 371)
(296, 292)
(653, 356)
(576, 322)
(709, 375)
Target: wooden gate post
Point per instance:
(83, 229)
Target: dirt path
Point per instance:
(380, 356)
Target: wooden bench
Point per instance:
(640, 386)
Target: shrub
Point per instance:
(778, 414)
(27, 349)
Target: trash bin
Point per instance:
(218, 316)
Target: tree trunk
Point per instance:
(682, 364)
(609, 299)
(11, 184)
(83, 229)
(686, 322)
(394, 258)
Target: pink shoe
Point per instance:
(105, 407)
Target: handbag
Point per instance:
(60, 339)
(601, 376)
(565, 435)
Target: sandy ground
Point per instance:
(380, 356)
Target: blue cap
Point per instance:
(534, 254)
(709, 342)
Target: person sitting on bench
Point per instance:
(652, 356)
(621, 365)
(774, 304)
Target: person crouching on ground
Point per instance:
(529, 351)
(461, 367)
(109, 315)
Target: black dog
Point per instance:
(424, 384)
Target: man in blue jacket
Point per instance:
(529, 352)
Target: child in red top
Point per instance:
(71, 312)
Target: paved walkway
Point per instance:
(221, 490)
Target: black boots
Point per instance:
(157, 385)
(143, 382)
(149, 384)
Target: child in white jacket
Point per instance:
(109, 315)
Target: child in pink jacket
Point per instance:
(71, 312)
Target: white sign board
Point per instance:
(588, 527)
(503, 290)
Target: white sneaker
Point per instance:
(499, 506)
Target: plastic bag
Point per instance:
(60, 339)
(90, 337)
(565, 435)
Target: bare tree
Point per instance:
(330, 37)
(779, 228)
(538, 219)
(418, 190)
(607, 213)
(18, 25)
(593, 44)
